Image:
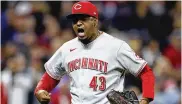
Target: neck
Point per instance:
(92, 38)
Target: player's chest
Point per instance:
(95, 53)
(93, 59)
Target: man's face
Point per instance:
(83, 26)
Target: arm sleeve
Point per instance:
(129, 60)
(148, 81)
(54, 66)
(46, 83)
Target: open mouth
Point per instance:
(81, 32)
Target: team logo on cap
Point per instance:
(77, 6)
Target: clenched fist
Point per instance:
(144, 101)
(43, 96)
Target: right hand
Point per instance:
(43, 96)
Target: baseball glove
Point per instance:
(126, 97)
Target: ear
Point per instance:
(95, 22)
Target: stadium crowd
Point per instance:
(32, 31)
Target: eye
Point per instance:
(74, 21)
(84, 18)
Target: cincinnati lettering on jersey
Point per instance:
(87, 63)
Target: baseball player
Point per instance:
(95, 61)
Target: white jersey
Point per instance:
(95, 69)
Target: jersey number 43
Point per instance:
(94, 83)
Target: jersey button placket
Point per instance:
(83, 76)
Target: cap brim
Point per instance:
(72, 16)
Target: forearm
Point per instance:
(148, 79)
(46, 83)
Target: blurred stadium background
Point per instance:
(32, 31)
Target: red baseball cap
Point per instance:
(85, 8)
